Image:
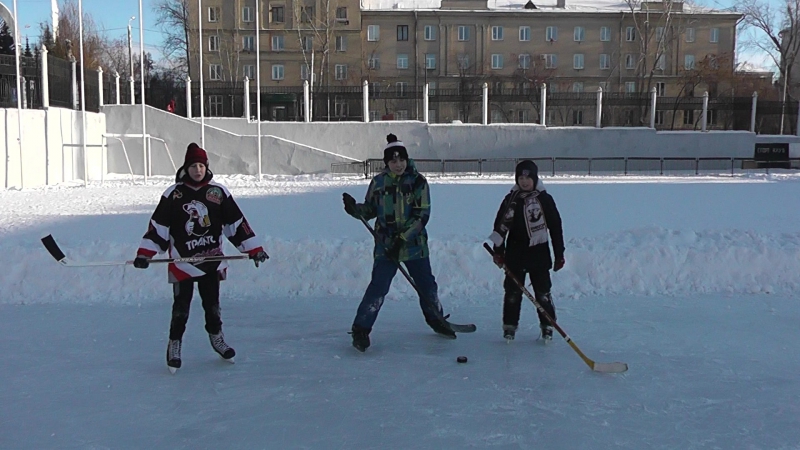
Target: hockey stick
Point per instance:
(615, 367)
(459, 328)
(56, 252)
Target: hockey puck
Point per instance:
(461, 359)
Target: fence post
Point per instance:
(753, 112)
(247, 98)
(704, 115)
(485, 103)
(100, 83)
(24, 88)
(365, 100)
(74, 90)
(188, 97)
(425, 104)
(131, 90)
(599, 117)
(45, 80)
(544, 105)
(653, 100)
(306, 100)
(116, 85)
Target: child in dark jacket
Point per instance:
(520, 239)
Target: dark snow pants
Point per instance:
(512, 301)
(383, 271)
(182, 291)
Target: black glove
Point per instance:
(349, 204)
(559, 264)
(259, 257)
(499, 257)
(393, 249)
(141, 262)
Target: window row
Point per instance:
(277, 14)
(277, 43)
(278, 71)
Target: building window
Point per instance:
(304, 71)
(306, 14)
(688, 117)
(522, 116)
(690, 35)
(551, 116)
(661, 62)
(550, 61)
(374, 115)
(430, 33)
(430, 61)
(577, 87)
(215, 72)
(213, 14)
(249, 43)
(497, 61)
(524, 61)
(247, 14)
(374, 63)
(463, 33)
(431, 88)
(307, 43)
(659, 118)
(340, 107)
(630, 34)
(341, 43)
(213, 43)
(463, 61)
(630, 61)
(552, 87)
(277, 71)
(402, 61)
(497, 116)
(341, 13)
(659, 34)
(277, 14)
(711, 117)
(551, 34)
(577, 61)
(714, 38)
(630, 87)
(341, 71)
(497, 33)
(373, 33)
(524, 34)
(249, 71)
(401, 114)
(605, 34)
(688, 62)
(661, 88)
(605, 61)
(402, 32)
(577, 117)
(401, 88)
(277, 43)
(215, 105)
(578, 34)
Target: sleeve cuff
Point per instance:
(496, 239)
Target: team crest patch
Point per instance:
(176, 194)
(214, 195)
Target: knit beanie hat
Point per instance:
(394, 149)
(195, 154)
(528, 168)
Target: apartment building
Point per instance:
(455, 46)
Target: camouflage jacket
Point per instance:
(401, 206)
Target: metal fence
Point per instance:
(577, 166)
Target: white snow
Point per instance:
(692, 281)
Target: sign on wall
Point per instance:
(772, 155)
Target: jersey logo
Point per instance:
(214, 195)
(198, 218)
(176, 194)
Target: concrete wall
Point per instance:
(52, 150)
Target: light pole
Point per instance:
(130, 46)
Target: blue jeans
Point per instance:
(383, 271)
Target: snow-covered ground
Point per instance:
(691, 281)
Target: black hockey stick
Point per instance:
(615, 367)
(58, 254)
(458, 328)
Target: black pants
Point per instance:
(182, 291)
(512, 301)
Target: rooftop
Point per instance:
(542, 6)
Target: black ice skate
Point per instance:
(173, 355)
(547, 333)
(218, 344)
(360, 338)
(509, 331)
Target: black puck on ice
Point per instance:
(461, 359)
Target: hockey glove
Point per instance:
(259, 256)
(499, 257)
(559, 264)
(349, 204)
(141, 262)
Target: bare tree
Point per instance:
(172, 16)
(66, 45)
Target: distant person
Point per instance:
(191, 217)
(399, 200)
(520, 239)
(171, 106)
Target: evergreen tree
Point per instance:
(6, 41)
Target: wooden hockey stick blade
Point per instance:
(615, 367)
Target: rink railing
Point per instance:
(577, 166)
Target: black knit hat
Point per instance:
(528, 168)
(394, 149)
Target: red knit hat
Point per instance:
(195, 154)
